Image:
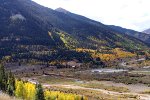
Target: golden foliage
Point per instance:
(85, 50)
(56, 95)
(27, 91)
(108, 55)
(115, 54)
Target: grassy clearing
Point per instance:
(102, 86)
(55, 80)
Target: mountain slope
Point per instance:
(19, 21)
(139, 35)
(147, 31)
(27, 27)
(104, 29)
(117, 29)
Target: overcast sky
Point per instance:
(132, 14)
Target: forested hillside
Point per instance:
(29, 31)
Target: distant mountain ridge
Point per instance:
(62, 10)
(147, 31)
(139, 35)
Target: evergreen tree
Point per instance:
(146, 56)
(11, 84)
(3, 78)
(39, 92)
(10, 90)
(82, 98)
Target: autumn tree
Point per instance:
(29, 91)
(19, 89)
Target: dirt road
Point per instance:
(140, 96)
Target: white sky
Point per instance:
(132, 14)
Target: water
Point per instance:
(104, 70)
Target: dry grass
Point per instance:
(146, 92)
(102, 86)
(6, 97)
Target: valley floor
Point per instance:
(104, 88)
(100, 84)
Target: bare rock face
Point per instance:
(17, 17)
(62, 10)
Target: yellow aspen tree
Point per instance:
(19, 89)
